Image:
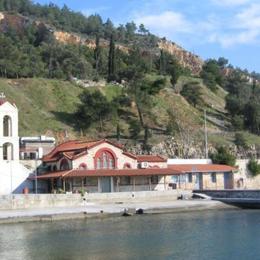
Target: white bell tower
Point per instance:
(9, 139)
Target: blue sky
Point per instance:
(209, 28)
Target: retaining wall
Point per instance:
(139, 195)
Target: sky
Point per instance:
(209, 28)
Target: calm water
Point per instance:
(202, 235)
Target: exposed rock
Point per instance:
(16, 22)
(2, 16)
(185, 58)
(73, 38)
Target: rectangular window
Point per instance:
(183, 178)
(213, 177)
(190, 177)
(125, 180)
(155, 179)
(90, 181)
(175, 179)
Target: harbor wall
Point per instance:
(30, 201)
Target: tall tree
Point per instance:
(111, 59)
(94, 107)
(97, 53)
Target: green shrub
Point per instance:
(254, 167)
(223, 156)
(240, 140)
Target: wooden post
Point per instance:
(150, 183)
(134, 183)
(64, 185)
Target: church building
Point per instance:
(103, 166)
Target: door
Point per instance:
(228, 180)
(198, 181)
(105, 184)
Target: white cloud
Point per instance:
(249, 18)
(165, 23)
(243, 28)
(239, 27)
(231, 2)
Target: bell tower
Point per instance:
(9, 139)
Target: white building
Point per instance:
(13, 175)
(9, 139)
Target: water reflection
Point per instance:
(201, 235)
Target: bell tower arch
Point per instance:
(9, 139)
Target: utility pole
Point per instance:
(206, 134)
(35, 175)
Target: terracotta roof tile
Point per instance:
(201, 167)
(115, 172)
(70, 147)
(151, 158)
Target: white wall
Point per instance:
(243, 178)
(189, 161)
(10, 110)
(13, 177)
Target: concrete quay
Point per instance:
(105, 209)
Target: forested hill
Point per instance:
(86, 77)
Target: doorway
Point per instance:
(105, 184)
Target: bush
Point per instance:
(254, 167)
(192, 93)
(223, 156)
(240, 140)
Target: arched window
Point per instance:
(105, 159)
(127, 166)
(64, 165)
(8, 151)
(54, 168)
(7, 126)
(82, 166)
(98, 163)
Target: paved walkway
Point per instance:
(108, 208)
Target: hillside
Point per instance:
(62, 69)
(47, 107)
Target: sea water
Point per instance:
(197, 235)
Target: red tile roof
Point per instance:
(201, 167)
(71, 148)
(151, 158)
(129, 154)
(113, 173)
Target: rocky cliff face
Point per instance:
(72, 38)
(185, 58)
(17, 22)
